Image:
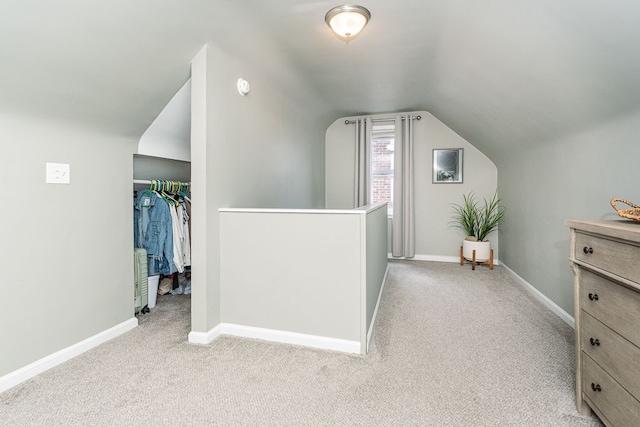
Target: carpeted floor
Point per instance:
(451, 347)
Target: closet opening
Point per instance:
(162, 214)
(161, 234)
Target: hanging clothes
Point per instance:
(162, 226)
(178, 238)
(155, 232)
(186, 232)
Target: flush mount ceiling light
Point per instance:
(347, 21)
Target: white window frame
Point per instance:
(386, 131)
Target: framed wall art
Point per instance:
(447, 165)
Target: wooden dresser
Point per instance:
(605, 257)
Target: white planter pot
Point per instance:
(483, 250)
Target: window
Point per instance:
(382, 144)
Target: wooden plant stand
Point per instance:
(473, 261)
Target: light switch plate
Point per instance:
(58, 173)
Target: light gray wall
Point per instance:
(572, 177)
(434, 236)
(265, 149)
(284, 271)
(148, 168)
(66, 249)
(376, 259)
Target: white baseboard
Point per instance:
(273, 335)
(14, 378)
(375, 311)
(568, 319)
(436, 258)
(205, 337)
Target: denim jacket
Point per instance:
(154, 232)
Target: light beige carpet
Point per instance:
(452, 347)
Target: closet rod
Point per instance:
(148, 181)
(347, 122)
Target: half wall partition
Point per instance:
(310, 277)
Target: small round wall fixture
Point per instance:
(243, 87)
(347, 21)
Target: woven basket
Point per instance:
(633, 214)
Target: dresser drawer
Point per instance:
(617, 356)
(612, 304)
(609, 397)
(610, 255)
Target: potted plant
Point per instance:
(477, 219)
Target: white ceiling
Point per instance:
(502, 73)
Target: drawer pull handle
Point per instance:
(596, 387)
(593, 297)
(587, 250)
(595, 341)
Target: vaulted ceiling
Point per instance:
(502, 73)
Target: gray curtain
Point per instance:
(362, 187)
(403, 234)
